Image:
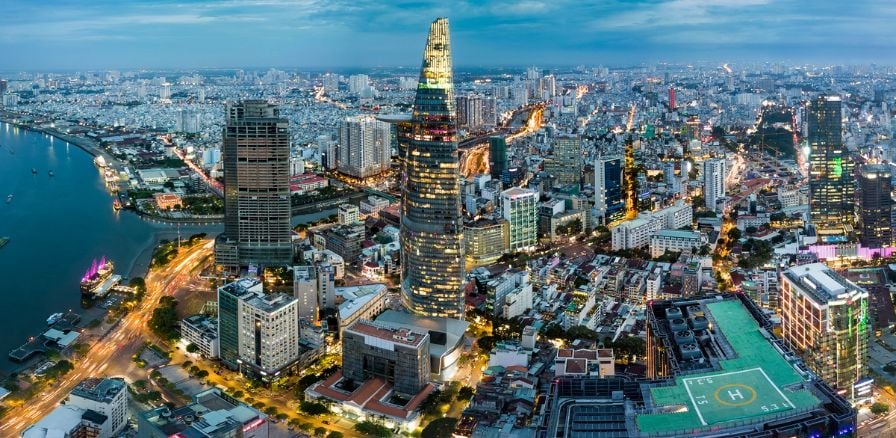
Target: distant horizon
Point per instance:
(466, 68)
(70, 35)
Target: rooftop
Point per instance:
(398, 335)
(271, 302)
(757, 383)
(209, 413)
(445, 333)
(242, 287)
(100, 390)
(821, 282)
(59, 422)
(678, 233)
(356, 297)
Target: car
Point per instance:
(325, 422)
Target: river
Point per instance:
(57, 226)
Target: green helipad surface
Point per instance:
(752, 385)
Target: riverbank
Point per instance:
(83, 143)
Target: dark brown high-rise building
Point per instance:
(257, 211)
(875, 205)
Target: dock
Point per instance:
(62, 330)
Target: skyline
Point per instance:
(320, 34)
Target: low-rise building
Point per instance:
(211, 413)
(96, 408)
(359, 303)
(373, 205)
(201, 331)
(167, 201)
(583, 362)
(67, 421)
(675, 241)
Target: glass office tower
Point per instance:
(831, 182)
(431, 227)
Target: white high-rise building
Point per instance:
(187, 121)
(520, 209)
(357, 84)
(268, 331)
(305, 290)
(365, 146)
(165, 91)
(714, 171)
(470, 112)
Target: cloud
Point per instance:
(315, 32)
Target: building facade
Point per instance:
(824, 319)
(398, 355)
(831, 182)
(486, 241)
(432, 236)
(497, 156)
(365, 146)
(520, 210)
(876, 205)
(268, 333)
(675, 241)
(106, 396)
(565, 165)
(609, 203)
(257, 210)
(201, 331)
(714, 171)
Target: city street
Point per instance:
(112, 354)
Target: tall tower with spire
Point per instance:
(432, 273)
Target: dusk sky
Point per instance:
(97, 34)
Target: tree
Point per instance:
(335, 434)
(320, 431)
(371, 428)
(313, 408)
(465, 393)
(164, 319)
(879, 408)
(440, 428)
(734, 234)
(61, 368)
(192, 348)
(238, 394)
(202, 374)
(187, 364)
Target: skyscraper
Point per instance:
(431, 227)
(875, 205)
(824, 319)
(714, 171)
(256, 188)
(497, 153)
(365, 146)
(831, 186)
(566, 162)
(608, 199)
